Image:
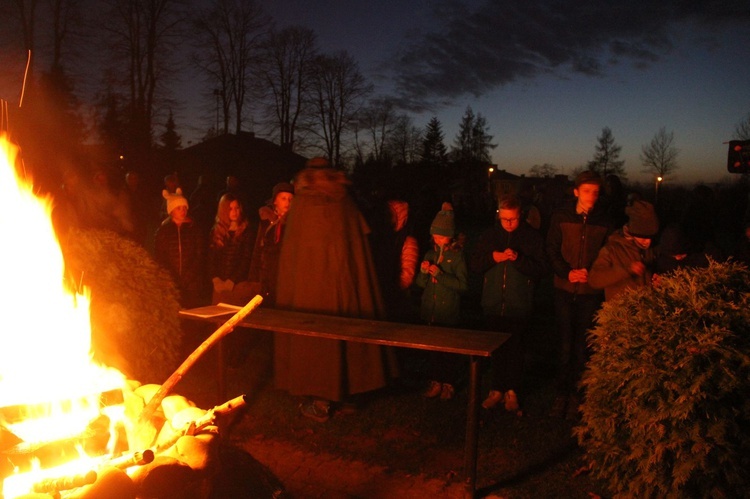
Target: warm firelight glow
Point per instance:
(49, 386)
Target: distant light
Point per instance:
(122, 157)
(490, 170)
(659, 179)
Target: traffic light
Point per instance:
(738, 157)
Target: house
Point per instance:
(257, 163)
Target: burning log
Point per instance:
(191, 423)
(53, 485)
(137, 458)
(166, 388)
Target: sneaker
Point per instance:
(494, 398)
(447, 391)
(511, 401)
(433, 390)
(317, 410)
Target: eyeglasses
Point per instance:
(509, 220)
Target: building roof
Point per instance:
(258, 164)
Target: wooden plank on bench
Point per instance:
(442, 339)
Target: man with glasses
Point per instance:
(511, 257)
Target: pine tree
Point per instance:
(170, 139)
(434, 152)
(606, 160)
(473, 142)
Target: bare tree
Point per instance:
(339, 91)
(606, 160)
(285, 65)
(660, 155)
(28, 19)
(379, 119)
(742, 129)
(228, 37)
(66, 16)
(405, 143)
(543, 171)
(140, 36)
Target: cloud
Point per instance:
(473, 51)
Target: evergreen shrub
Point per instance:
(135, 325)
(666, 411)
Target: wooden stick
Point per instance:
(226, 328)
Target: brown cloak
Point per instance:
(326, 267)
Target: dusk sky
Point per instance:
(549, 76)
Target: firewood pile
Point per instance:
(166, 448)
(190, 458)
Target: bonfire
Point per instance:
(69, 426)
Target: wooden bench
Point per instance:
(474, 344)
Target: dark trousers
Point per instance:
(446, 367)
(507, 364)
(574, 316)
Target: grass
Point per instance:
(530, 456)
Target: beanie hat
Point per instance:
(642, 221)
(281, 187)
(588, 177)
(444, 223)
(174, 200)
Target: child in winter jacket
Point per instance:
(444, 277)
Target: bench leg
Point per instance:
(472, 413)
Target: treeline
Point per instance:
(110, 73)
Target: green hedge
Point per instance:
(667, 405)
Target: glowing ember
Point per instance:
(47, 378)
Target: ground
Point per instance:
(398, 443)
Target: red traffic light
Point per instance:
(738, 156)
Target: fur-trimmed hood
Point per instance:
(323, 181)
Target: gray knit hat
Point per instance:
(444, 223)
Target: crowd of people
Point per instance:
(314, 251)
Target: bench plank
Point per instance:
(441, 339)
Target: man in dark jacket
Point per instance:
(576, 234)
(511, 257)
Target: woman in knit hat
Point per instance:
(444, 277)
(179, 248)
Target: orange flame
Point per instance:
(46, 367)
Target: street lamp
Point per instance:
(657, 184)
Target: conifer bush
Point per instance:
(666, 411)
(135, 325)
